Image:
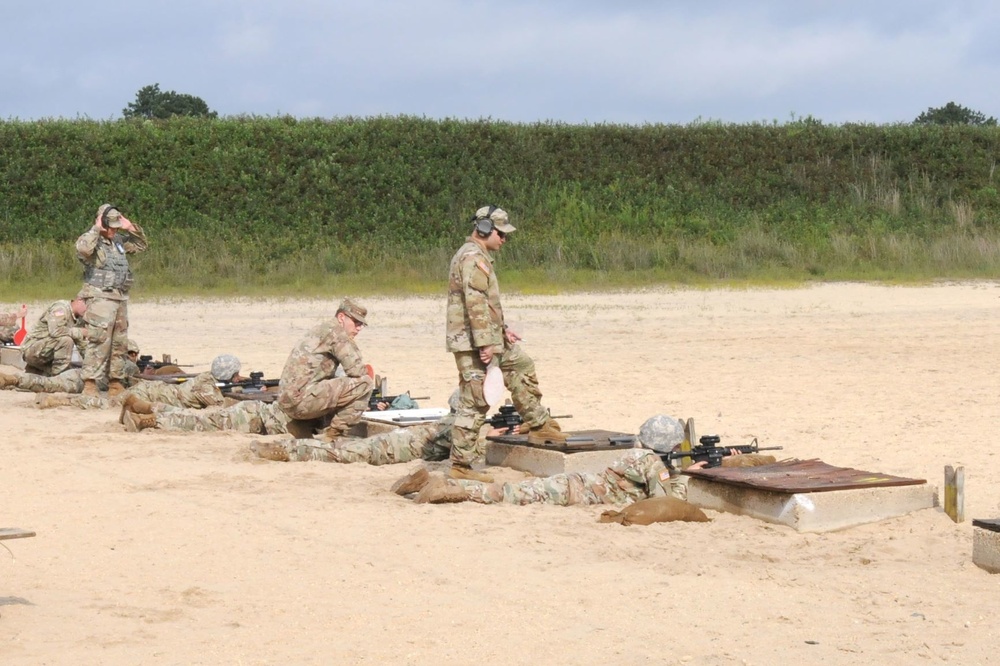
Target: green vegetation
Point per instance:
(275, 205)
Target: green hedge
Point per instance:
(273, 192)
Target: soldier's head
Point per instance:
(225, 367)
(78, 306)
(133, 350)
(490, 226)
(352, 316)
(661, 433)
(110, 219)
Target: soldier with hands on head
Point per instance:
(479, 338)
(107, 278)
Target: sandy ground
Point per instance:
(173, 548)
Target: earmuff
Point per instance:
(104, 216)
(484, 225)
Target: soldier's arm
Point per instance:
(476, 282)
(348, 355)
(136, 241)
(58, 320)
(7, 320)
(86, 244)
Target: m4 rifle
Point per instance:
(254, 388)
(709, 451)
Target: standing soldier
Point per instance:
(106, 282)
(478, 337)
(310, 388)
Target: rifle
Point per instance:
(377, 396)
(146, 361)
(709, 452)
(248, 389)
(508, 419)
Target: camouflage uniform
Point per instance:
(249, 416)
(638, 474)
(309, 389)
(107, 307)
(475, 319)
(8, 327)
(71, 381)
(424, 442)
(48, 347)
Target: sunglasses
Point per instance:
(501, 234)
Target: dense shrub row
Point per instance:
(272, 190)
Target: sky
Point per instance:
(630, 62)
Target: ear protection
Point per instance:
(484, 225)
(104, 216)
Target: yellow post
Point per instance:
(689, 440)
(954, 493)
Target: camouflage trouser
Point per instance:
(69, 381)
(427, 442)
(107, 339)
(637, 475)
(343, 399)
(250, 416)
(197, 392)
(49, 356)
(520, 379)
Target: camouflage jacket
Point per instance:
(93, 249)
(475, 316)
(316, 358)
(58, 321)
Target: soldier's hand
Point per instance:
(127, 224)
(23, 312)
(486, 355)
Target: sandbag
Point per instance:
(748, 460)
(655, 510)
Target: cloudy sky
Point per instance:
(574, 61)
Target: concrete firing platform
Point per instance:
(589, 451)
(986, 544)
(809, 496)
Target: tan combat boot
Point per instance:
(275, 451)
(50, 400)
(547, 433)
(90, 388)
(440, 490)
(412, 482)
(115, 388)
(7, 381)
(465, 472)
(133, 403)
(136, 422)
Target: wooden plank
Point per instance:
(14, 533)
(954, 493)
(578, 440)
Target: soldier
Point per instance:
(48, 348)
(10, 324)
(479, 338)
(431, 442)
(254, 417)
(639, 474)
(311, 391)
(106, 283)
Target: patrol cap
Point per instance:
(661, 433)
(225, 367)
(133, 346)
(109, 216)
(353, 310)
(499, 216)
